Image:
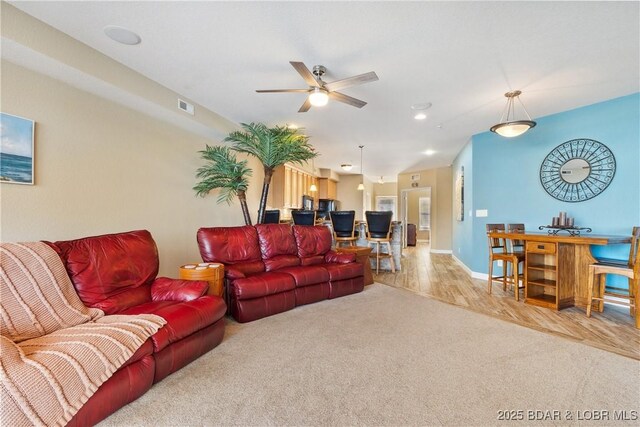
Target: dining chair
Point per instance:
(272, 216)
(499, 251)
(303, 217)
(379, 232)
(630, 269)
(344, 227)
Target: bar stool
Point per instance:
(272, 216)
(498, 251)
(344, 227)
(302, 217)
(517, 246)
(629, 269)
(379, 232)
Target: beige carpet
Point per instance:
(388, 357)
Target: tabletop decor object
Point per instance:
(562, 222)
(577, 170)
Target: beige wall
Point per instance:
(102, 168)
(349, 196)
(386, 189)
(440, 181)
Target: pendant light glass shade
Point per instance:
(313, 188)
(319, 97)
(509, 126)
(361, 185)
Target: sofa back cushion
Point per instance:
(237, 246)
(111, 272)
(277, 246)
(313, 243)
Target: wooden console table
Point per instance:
(362, 257)
(557, 266)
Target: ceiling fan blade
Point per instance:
(305, 107)
(351, 81)
(305, 73)
(347, 99)
(281, 90)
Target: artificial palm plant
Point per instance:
(273, 147)
(225, 172)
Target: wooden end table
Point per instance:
(211, 272)
(362, 257)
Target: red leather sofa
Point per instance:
(117, 274)
(271, 268)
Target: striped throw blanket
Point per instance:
(55, 351)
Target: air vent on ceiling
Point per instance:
(185, 106)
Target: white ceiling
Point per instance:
(460, 56)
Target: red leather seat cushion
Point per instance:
(276, 239)
(229, 245)
(281, 261)
(262, 284)
(183, 318)
(343, 271)
(312, 241)
(307, 275)
(108, 268)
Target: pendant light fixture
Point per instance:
(509, 126)
(361, 185)
(313, 188)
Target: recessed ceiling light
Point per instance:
(122, 35)
(420, 110)
(429, 152)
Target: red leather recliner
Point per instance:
(117, 274)
(271, 268)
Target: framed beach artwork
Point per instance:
(16, 149)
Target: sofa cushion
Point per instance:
(281, 261)
(183, 318)
(343, 271)
(313, 260)
(262, 284)
(230, 245)
(276, 239)
(307, 275)
(110, 267)
(312, 240)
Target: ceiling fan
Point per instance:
(320, 91)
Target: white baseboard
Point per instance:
(441, 251)
(473, 274)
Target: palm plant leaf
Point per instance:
(222, 171)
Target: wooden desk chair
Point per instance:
(344, 227)
(379, 232)
(498, 251)
(629, 269)
(302, 217)
(272, 216)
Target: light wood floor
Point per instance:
(440, 277)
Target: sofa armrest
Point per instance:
(165, 289)
(343, 258)
(233, 273)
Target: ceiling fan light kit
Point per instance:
(318, 97)
(319, 91)
(509, 127)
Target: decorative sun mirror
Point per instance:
(577, 170)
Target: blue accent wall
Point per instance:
(506, 179)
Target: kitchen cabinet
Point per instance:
(288, 185)
(327, 188)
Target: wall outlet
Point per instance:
(480, 213)
(458, 250)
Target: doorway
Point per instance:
(416, 209)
